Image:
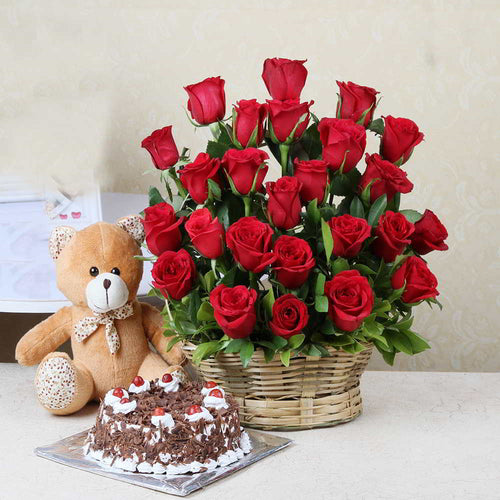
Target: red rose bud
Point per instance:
(234, 310)
(216, 393)
(350, 299)
(393, 235)
(162, 148)
(159, 412)
(400, 137)
(356, 101)
(348, 234)
(207, 100)
(206, 233)
(314, 176)
(194, 409)
(242, 166)
(138, 381)
(388, 178)
(344, 143)
(294, 261)
(429, 234)
(162, 228)
(284, 78)
(249, 116)
(124, 401)
(284, 205)
(209, 385)
(174, 274)
(194, 176)
(167, 377)
(284, 117)
(118, 392)
(290, 316)
(250, 243)
(420, 282)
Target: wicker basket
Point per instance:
(311, 392)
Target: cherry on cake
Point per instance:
(167, 427)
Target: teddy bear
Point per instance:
(110, 330)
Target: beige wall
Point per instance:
(82, 82)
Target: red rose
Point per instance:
(294, 261)
(393, 235)
(207, 234)
(174, 274)
(348, 234)
(400, 137)
(284, 78)
(290, 316)
(249, 116)
(388, 178)
(284, 206)
(313, 175)
(284, 115)
(355, 100)
(242, 165)
(162, 148)
(420, 282)
(350, 299)
(429, 234)
(234, 309)
(343, 142)
(207, 100)
(250, 242)
(162, 228)
(194, 176)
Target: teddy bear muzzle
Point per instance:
(106, 292)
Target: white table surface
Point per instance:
(422, 435)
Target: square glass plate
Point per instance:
(69, 452)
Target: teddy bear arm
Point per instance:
(44, 337)
(152, 321)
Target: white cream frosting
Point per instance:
(110, 400)
(205, 391)
(163, 421)
(172, 386)
(203, 414)
(214, 402)
(136, 389)
(124, 407)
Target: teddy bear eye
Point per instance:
(93, 271)
(116, 271)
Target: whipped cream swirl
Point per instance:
(214, 402)
(136, 389)
(172, 386)
(203, 414)
(205, 390)
(110, 399)
(124, 407)
(163, 421)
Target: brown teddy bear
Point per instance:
(109, 329)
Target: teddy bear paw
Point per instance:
(55, 383)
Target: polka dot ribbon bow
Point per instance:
(88, 325)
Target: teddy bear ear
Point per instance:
(59, 238)
(133, 225)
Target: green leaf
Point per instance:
(285, 357)
(234, 346)
(340, 340)
(377, 126)
(418, 344)
(319, 288)
(172, 342)
(340, 264)
(311, 142)
(296, 341)
(269, 354)
(268, 302)
(205, 312)
(396, 294)
(321, 304)
(411, 215)
(327, 328)
(194, 305)
(377, 209)
(279, 342)
(381, 342)
(217, 149)
(401, 342)
(209, 279)
(326, 233)
(388, 357)
(356, 209)
(313, 212)
(229, 277)
(367, 271)
(214, 189)
(246, 352)
(405, 324)
(154, 196)
(204, 351)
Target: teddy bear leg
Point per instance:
(154, 366)
(62, 385)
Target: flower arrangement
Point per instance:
(323, 256)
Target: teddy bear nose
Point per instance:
(106, 283)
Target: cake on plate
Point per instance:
(167, 427)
